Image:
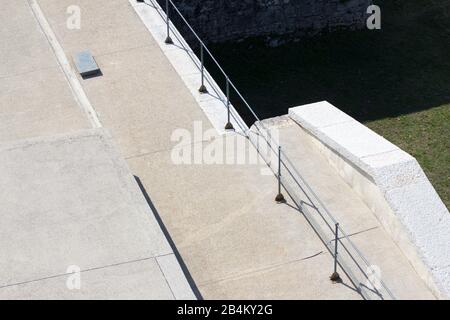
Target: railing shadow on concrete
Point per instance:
(177, 254)
(349, 258)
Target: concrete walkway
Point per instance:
(364, 230)
(70, 204)
(35, 98)
(234, 239)
(236, 242)
(71, 209)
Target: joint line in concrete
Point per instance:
(72, 79)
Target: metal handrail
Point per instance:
(282, 157)
(334, 223)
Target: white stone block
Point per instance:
(410, 199)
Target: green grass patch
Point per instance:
(425, 135)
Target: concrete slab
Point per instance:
(332, 190)
(141, 280)
(314, 113)
(106, 26)
(35, 97)
(287, 281)
(394, 267)
(235, 240)
(38, 103)
(350, 211)
(76, 204)
(233, 229)
(342, 133)
(16, 19)
(24, 47)
(175, 277)
(142, 100)
(393, 185)
(187, 65)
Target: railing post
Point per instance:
(168, 39)
(229, 125)
(202, 60)
(279, 198)
(335, 276)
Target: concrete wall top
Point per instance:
(396, 174)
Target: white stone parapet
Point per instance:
(392, 184)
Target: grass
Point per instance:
(425, 135)
(395, 80)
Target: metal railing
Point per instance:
(349, 259)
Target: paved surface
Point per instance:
(71, 200)
(35, 98)
(354, 216)
(392, 184)
(227, 232)
(234, 239)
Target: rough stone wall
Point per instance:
(222, 20)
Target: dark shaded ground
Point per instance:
(403, 68)
(395, 80)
